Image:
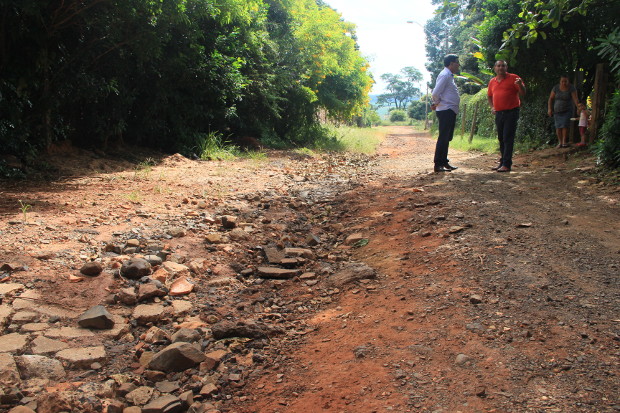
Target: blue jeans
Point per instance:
(447, 121)
(506, 122)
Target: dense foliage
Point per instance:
(418, 109)
(485, 123)
(169, 73)
(608, 147)
(397, 115)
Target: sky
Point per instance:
(384, 36)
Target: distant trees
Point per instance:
(397, 115)
(401, 88)
(167, 73)
(418, 109)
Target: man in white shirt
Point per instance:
(446, 104)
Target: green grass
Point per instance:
(134, 197)
(257, 156)
(352, 139)
(144, 168)
(305, 152)
(213, 146)
(24, 208)
(478, 144)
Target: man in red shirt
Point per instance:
(503, 94)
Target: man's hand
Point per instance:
(433, 106)
(521, 86)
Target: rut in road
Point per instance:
(496, 292)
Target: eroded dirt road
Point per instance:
(497, 292)
(490, 292)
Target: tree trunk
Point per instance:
(598, 100)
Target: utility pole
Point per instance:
(426, 109)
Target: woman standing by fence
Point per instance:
(561, 108)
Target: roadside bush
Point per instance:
(485, 123)
(535, 128)
(397, 115)
(213, 146)
(368, 118)
(417, 110)
(607, 148)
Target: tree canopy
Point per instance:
(401, 88)
(167, 73)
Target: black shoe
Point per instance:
(441, 168)
(451, 167)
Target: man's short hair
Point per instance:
(449, 59)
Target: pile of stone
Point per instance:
(174, 334)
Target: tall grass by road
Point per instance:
(478, 143)
(352, 139)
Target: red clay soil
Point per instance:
(497, 293)
(494, 292)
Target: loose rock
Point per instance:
(32, 366)
(186, 335)
(83, 357)
(96, 317)
(135, 268)
(92, 269)
(164, 404)
(176, 357)
(140, 396)
(352, 273)
(277, 273)
(226, 329)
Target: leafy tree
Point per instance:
(401, 88)
(436, 32)
(609, 48)
(168, 73)
(397, 115)
(418, 109)
(441, 31)
(333, 72)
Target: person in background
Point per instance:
(503, 94)
(446, 101)
(561, 108)
(584, 121)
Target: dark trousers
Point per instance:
(506, 122)
(447, 121)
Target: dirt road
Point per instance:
(497, 292)
(478, 291)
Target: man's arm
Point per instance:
(439, 88)
(490, 100)
(521, 86)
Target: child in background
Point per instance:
(584, 120)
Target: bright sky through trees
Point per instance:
(384, 35)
